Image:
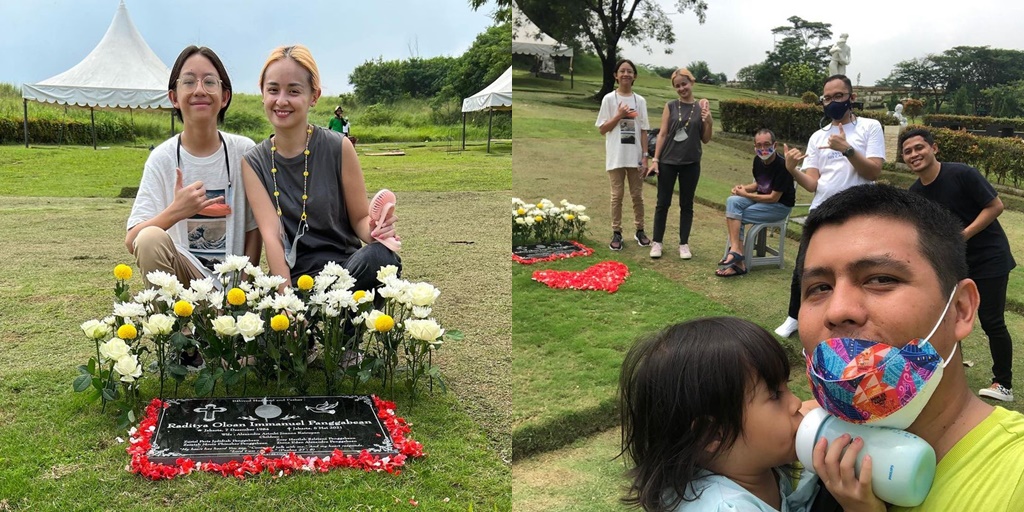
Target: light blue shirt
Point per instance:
(720, 494)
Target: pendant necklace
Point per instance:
(303, 225)
(681, 134)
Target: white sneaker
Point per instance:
(655, 250)
(684, 251)
(998, 392)
(787, 328)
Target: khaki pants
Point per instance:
(636, 191)
(154, 250)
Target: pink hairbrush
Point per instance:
(382, 206)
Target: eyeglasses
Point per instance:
(210, 84)
(839, 96)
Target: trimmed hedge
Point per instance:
(789, 121)
(972, 122)
(69, 131)
(998, 157)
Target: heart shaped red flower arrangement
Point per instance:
(607, 276)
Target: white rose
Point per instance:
(371, 319)
(521, 221)
(95, 329)
(425, 330)
(225, 325)
(114, 349)
(129, 368)
(386, 272)
(249, 325)
(422, 294)
(157, 324)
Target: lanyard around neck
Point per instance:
(227, 163)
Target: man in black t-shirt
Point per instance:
(972, 199)
(768, 199)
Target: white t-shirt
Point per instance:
(622, 143)
(837, 173)
(720, 494)
(203, 236)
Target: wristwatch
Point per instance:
(849, 152)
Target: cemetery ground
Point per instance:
(64, 226)
(568, 345)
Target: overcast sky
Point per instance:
(42, 38)
(737, 33)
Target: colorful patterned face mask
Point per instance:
(863, 381)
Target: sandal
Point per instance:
(736, 258)
(736, 271)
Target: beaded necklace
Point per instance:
(305, 174)
(679, 113)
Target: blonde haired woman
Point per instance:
(686, 126)
(305, 184)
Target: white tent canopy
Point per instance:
(528, 39)
(497, 96)
(120, 72)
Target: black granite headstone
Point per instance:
(545, 249)
(223, 429)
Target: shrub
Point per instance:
(809, 98)
(377, 114)
(971, 122)
(243, 121)
(913, 108)
(789, 121)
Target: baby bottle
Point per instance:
(902, 464)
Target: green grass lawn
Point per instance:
(58, 451)
(568, 345)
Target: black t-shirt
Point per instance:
(965, 192)
(774, 176)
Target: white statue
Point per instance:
(547, 65)
(840, 56)
(898, 114)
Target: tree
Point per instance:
(799, 77)
(1006, 99)
(599, 25)
(502, 12)
(801, 44)
(922, 76)
(913, 108)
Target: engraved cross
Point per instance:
(209, 410)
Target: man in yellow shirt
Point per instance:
(879, 264)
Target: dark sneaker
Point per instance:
(616, 243)
(641, 238)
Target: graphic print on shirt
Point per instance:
(207, 231)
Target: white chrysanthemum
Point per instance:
(340, 299)
(420, 311)
(202, 287)
(129, 310)
(583, 218)
(249, 325)
(288, 302)
(529, 221)
(521, 221)
(368, 296)
(95, 329)
(253, 270)
(145, 296)
(157, 325)
(391, 290)
(233, 263)
(217, 298)
(265, 303)
(269, 282)
(110, 320)
(331, 311)
(424, 330)
(167, 283)
(190, 295)
(225, 325)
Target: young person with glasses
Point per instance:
(190, 211)
(623, 122)
(306, 186)
(849, 151)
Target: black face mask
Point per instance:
(837, 109)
